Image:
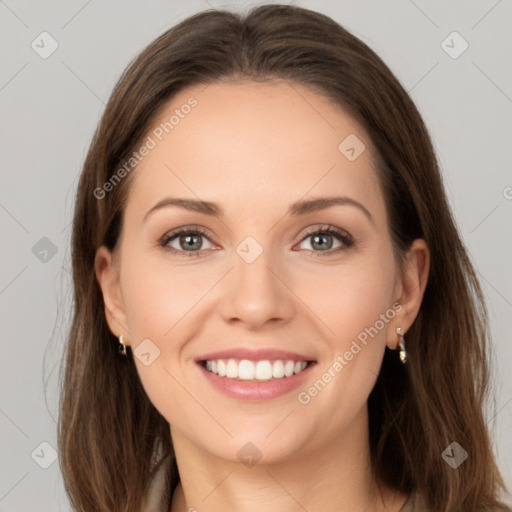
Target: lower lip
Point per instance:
(255, 390)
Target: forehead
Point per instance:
(249, 145)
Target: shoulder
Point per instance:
(415, 503)
(157, 497)
(418, 503)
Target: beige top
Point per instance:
(415, 503)
(156, 500)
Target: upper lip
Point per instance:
(254, 355)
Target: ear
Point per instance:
(106, 268)
(410, 289)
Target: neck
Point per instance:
(335, 476)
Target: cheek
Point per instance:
(156, 306)
(163, 312)
(157, 294)
(357, 306)
(348, 298)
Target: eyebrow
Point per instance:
(296, 209)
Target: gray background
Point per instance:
(50, 107)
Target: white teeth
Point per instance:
(251, 370)
(246, 370)
(263, 370)
(278, 369)
(288, 368)
(232, 369)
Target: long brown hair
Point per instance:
(111, 437)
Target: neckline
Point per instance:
(157, 495)
(408, 506)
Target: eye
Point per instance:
(188, 241)
(322, 239)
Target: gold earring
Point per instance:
(401, 343)
(122, 346)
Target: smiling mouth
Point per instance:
(247, 370)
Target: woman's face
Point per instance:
(262, 282)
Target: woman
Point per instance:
(260, 215)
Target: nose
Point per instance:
(257, 293)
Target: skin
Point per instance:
(255, 148)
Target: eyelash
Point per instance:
(342, 236)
